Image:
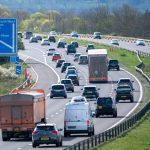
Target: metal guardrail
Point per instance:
(111, 133)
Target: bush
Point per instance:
(20, 44)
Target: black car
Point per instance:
(106, 106)
(58, 90)
(39, 37)
(125, 81)
(113, 64)
(124, 92)
(59, 63)
(75, 43)
(61, 45)
(33, 40)
(64, 66)
(74, 79)
(51, 38)
(90, 92)
(68, 84)
(89, 46)
(71, 49)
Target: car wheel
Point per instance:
(90, 133)
(58, 144)
(34, 145)
(61, 143)
(115, 115)
(118, 69)
(51, 96)
(72, 90)
(131, 100)
(96, 115)
(65, 96)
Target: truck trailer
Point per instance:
(20, 112)
(97, 65)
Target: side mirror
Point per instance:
(132, 81)
(81, 89)
(98, 88)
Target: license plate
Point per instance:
(100, 107)
(71, 127)
(90, 92)
(44, 138)
(123, 96)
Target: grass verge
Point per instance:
(7, 85)
(137, 139)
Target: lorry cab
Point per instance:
(78, 117)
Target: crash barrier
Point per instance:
(110, 133)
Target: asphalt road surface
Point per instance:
(47, 74)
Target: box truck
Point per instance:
(78, 117)
(97, 65)
(20, 112)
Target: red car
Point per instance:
(56, 57)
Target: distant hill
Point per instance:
(74, 5)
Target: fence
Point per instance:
(110, 133)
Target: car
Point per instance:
(70, 49)
(28, 34)
(51, 38)
(89, 46)
(58, 90)
(114, 42)
(60, 45)
(97, 35)
(90, 91)
(71, 71)
(19, 34)
(53, 33)
(56, 57)
(51, 51)
(68, 84)
(125, 81)
(75, 43)
(113, 64)
(45, 42)
(62, 40)
(74, 34)
(59, 62)
(64, 66)
(76, 56)
(33, 40)
(83, 59)
(140, 42)
(79, 99)
(74, 78)
(71, 67)
(39, 37)
(124, 92)
(106, 106)
(46, 133)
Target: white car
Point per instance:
(140, 42)
(51, 51)
(114, 42)
(45, 42)
(53, 33)
(62, 40)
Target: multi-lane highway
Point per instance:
(48, 74)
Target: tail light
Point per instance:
(35, 132)
(88, 122)
(54, 131)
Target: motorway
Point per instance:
(47, 74)
(122, 44)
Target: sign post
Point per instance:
(8, 37)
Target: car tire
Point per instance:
(131, 100)
(51, 96)
(118, 69)
(65, 96)
(61, 143)
(58, 144)
(72, 91)
(65, 134)
(96, 115)
(115, 115)
(34, 145)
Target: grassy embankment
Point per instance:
(8, 84)
(139, 137)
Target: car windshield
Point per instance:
(113, 62)
(45, 128)
(83, 57)
(124, 81)
(57, 87)
(66, 64)
(104, 101)
(60, 61)
(90, 88)
(72, 77)
(71, 71)
(65, 82)
(52, 49)
(123, 88)
(90, 46)
(57, 55)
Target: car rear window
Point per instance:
(45, 128)
(113, 61)
(65, 81)
(57, 87)
(104, 101)
(90, 88)
(72, 77)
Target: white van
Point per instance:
(78, 118)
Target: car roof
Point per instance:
(66, 79)
(89, 86)
(58, 84)
(46, 124)
(79, 98)
(124, 79)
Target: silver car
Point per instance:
(46, 134)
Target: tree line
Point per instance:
(123, 21)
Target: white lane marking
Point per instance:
(58, 77)
(30, 144)
(19, 148)
(37, 77)
(56, 113)
(140, 99)
(112, 87)
(60, 110)
(52, 115)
